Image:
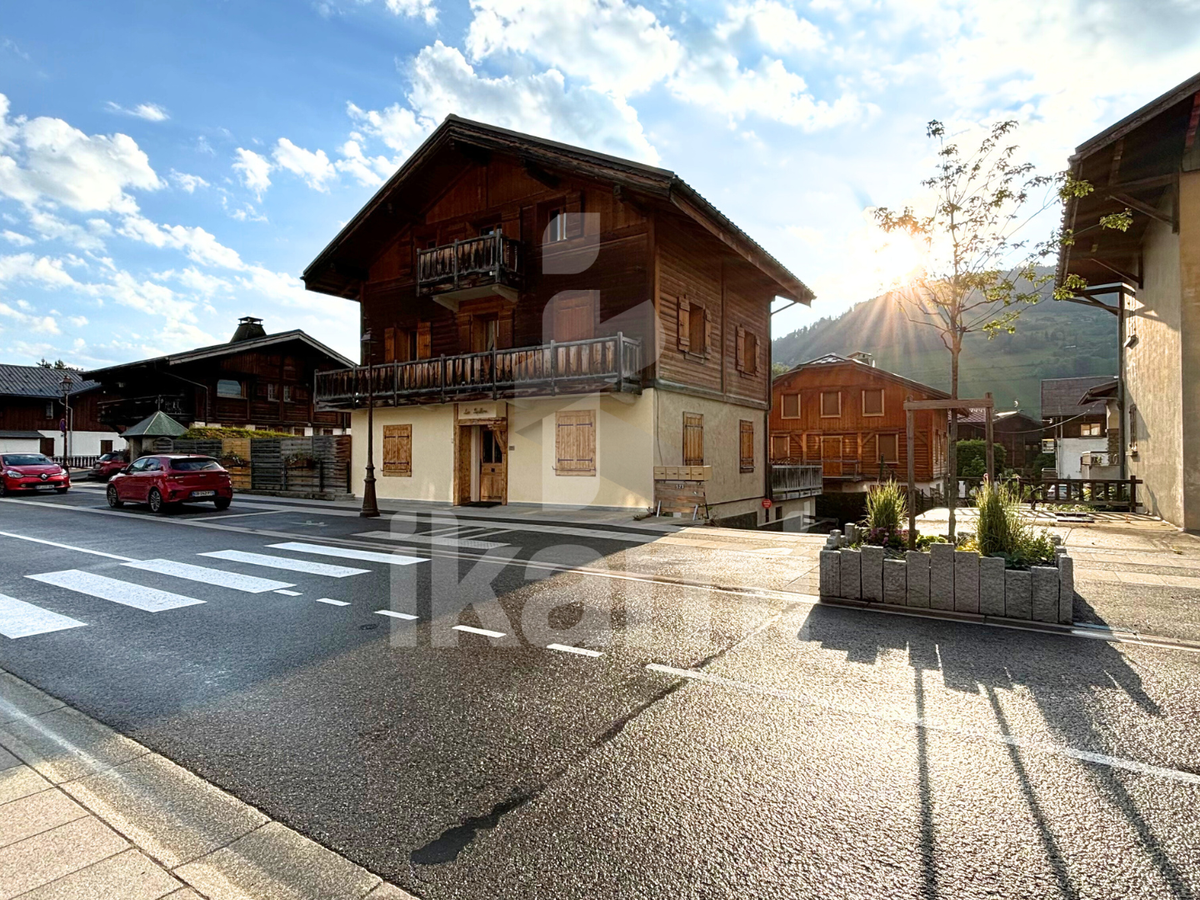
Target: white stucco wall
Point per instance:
(432, 453)
(1070, 451)
(83, 443)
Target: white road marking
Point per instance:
(285, 562)
(390, 559)
(566, 648)
(600, 533)
(22, 537)
(395, 615)
(483, 631)
(265, 512)
(19, 619)
(232, 580)
(435, 540)
(1100, 759)
(289, 593)
(332, 602)
(148, 599)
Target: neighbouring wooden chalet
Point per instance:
(1148, 276)
(1018, 433)
(32, 413)
(847, 415)
(546, 324)
(256, 380)
(1077, 428)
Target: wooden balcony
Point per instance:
(603, 364)
(475, 267)
(794, 482)
(131, 410)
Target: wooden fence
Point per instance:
(309, 467)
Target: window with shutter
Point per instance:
(272, 391)
(574, 316)
(831, 404)
(739, 349)
(698, 330)
(424, 341)
(693, 439)
(780, 447)
(791, 406)
(749, 352)
(397, 450)
(684, 333)
(889, 447)
(746, 445)
(575, 442)
(389, 344)
(872, 402)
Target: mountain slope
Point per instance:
(1053, 340)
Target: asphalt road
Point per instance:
(676, 742)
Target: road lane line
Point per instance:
(390, 559)
(332, 602)
(265, 512)
(567, 648)
(395, 615)
(469, 630)
(1100, 759)
(285, 562)
(289, 593)
(22, 537)
(251, 584)
(19, 619)
(434, 540)
(104, 588)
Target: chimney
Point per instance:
(248, 328)
(862, 356)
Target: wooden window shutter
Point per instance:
(397, 450)
(693, 439)
(685, 324)
(389, 344)
(504, 330)
(575, 442)
(749, 347)
(746, 445)
(740, 356)
(791, 406)
(574, 316)
(698, 325)
(424, 340)
(574, 216)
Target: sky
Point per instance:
(168, 167)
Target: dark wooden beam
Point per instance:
(1084, 300)
(540, 175)
(476, 154)
(621, 195)
(1114, 170)
(1142, 184)
(1122, 274)
(1194, 121)
(1144, 208)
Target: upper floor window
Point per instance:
(287, 393)
(889, 447)
(831, 404)
(227, 387)
(693, 327)
(791, 406)
(272, 391)
(872, 402)
(556, 226)
(1090, 429)
(747, 351)
(50, 410)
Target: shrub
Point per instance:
(210, 433)
(887, 508)
(972, 458)
(1001, 531)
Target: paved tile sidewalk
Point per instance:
(87, 813)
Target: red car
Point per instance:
(108, 465)
(163, 482)
(32, 472)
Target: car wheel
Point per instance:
(157, 505)
(113, 500)
(222, 502)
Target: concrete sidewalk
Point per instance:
(87, 813)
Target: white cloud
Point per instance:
(424, 9)
(254, 170)
(151, 112)
(201, 282)
(314, 168)
(77, 321)
(14, 238)
(51, 228)
(46, 160)
(188, 183)
(775, 25)
(368, 171)
(198, 244)
(43, 270)
(148, 297)
(396, 126)
(611, 44)
(36, 324)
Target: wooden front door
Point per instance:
(831, 457)
(493, 468)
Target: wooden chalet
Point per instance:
(1018, 433)
(547, 324)
(848, 416)
(33, 413)
(255, 380)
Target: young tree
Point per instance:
(981, 269)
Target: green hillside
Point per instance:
(1053, 340)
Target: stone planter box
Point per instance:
(951, 580)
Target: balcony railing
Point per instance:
(490, 260)
(131, 410)
(792, 482)
(612, 363)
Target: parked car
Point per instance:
(165, 481)
(108, 465)
(32, 472)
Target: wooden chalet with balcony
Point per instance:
(546, 324)
(255, 380)
(848, 416)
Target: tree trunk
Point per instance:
(952, 441)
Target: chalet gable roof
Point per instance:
(834, 359)
(1062, 397)
(230, 349)
(39, 382)
(343, 263)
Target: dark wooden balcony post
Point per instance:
(553, 369)
(620, 361)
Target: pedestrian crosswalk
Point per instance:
(19, 618)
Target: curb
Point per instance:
(147, 818)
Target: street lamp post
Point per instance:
(65, 384)
(370, 507)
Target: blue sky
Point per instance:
(168, 167)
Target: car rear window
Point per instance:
(25, 459)
(194, 465)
